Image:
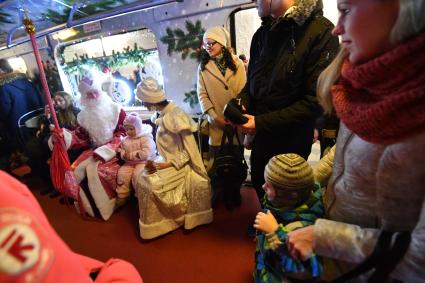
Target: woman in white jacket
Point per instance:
(221, 76)
(376, 86)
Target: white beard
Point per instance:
(99, 117)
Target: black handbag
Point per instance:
(230, 166)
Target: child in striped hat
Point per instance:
(292, 200)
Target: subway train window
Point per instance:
(18, 64)
(120, 61)
(246, 23)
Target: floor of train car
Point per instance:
(218, 252)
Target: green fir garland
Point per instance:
(135, 56)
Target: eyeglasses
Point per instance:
(208, 45)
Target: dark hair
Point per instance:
(242, 57)
(5, 66)
(227, 56)
(163, 103)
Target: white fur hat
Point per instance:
(134, 120)
(219, 34)
(149, 91)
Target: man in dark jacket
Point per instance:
(17, 97)
(288, 52)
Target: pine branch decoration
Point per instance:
(188, 44)
(191, 97)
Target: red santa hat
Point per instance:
(88, 85)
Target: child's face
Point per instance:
(131, 131)
(60, 102)
(270, 191)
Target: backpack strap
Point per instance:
(392, 258)
(227, 135)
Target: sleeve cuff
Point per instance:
(212, 113)
(343, 241)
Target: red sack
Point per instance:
(61, 173)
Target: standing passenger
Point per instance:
(288, 52)
(378, 90)
(18, 96)
(221, 76)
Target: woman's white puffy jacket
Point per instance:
(373, 186)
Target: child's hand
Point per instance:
(150, 167)
(47, 111)
(266, 222)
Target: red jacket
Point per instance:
(31, 250)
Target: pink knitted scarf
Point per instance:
(383, 100)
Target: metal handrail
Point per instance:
(105, 15)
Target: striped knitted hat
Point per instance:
(291, 177)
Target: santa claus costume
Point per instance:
(101, 120)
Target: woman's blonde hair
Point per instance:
(327, 78)
(410, 22)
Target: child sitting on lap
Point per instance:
(136, 148)
(292, 201)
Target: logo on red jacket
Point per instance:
(25, 252)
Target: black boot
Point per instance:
(236, 197)
(228, 197)
(54, 194)
(46, 191)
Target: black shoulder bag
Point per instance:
(230, 165)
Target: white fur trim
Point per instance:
(198, 218)
(150, 231)
(80, 171)
(103, 202)
(105, 152)
(86, 204)
(67, 136)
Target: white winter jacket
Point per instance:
(373, 186)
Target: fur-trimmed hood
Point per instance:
(301, 11)
(11, 77)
